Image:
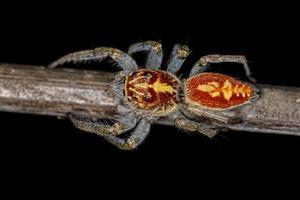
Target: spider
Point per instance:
(148, 94)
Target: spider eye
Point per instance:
(147, 76)
(146, 97)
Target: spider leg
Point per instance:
(136, 136)
(195, 127)
(101, 128)
(203, 62)
(155, 53)
(177, 58)
(214, 115)
(183, 122)
(124, 61)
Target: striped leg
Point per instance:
(136, 136)
(154, 50)
(124, 61)
(177, 58)
(204, 61)
(101, 128)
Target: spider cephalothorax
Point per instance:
(155, 91)
(146, 94)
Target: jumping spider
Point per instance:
(148, 94)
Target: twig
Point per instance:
(37, 90)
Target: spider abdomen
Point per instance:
(217, 91)
(155, 91)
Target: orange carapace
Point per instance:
(153, 90)
(216, 91)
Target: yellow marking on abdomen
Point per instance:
(214, 90)
(227, 90)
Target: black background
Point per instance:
(38, 145)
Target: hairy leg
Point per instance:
(214, 115)
(123, 60)
(100, 127)
(136, 136)
(195, 127)
(184, 122)
(155, 54)
(204, 61)
(177, 58)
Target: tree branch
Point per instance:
(37, 90)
